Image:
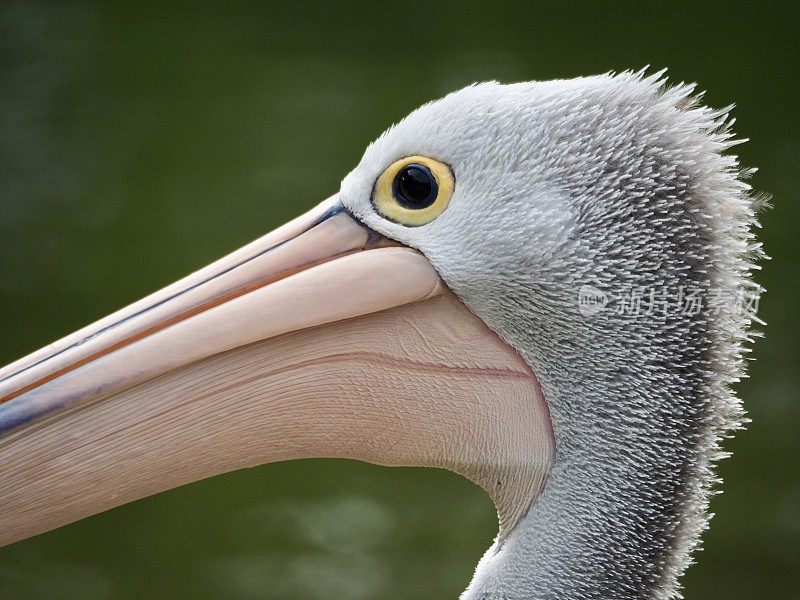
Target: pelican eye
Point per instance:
(413, 191)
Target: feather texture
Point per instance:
(599, 226)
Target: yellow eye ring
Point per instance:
(413, 191)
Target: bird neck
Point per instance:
(624, 502)
(637, 418)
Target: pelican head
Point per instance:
(538, 286)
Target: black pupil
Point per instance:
(415, 187)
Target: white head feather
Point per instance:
(619, 183)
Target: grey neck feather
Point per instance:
(639, 401)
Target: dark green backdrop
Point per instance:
(139, 141)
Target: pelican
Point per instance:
(464, 301)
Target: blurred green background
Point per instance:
(138, 141)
